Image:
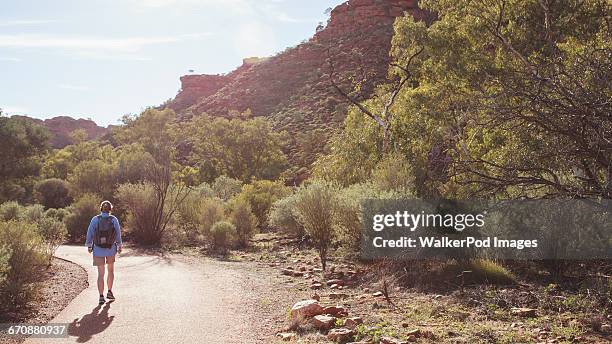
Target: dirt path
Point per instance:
(169, 299)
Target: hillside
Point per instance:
(292, 88)
(60, 128)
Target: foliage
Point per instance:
(53, 193)
(225, 187)
(261, 195)
(244, 220)
(348, 215)
(223, 234)
(196, 216)
(394, 173)
(24, 246)
(133, 163)
(79, 216)
(58, 214)
(140, 203)
(32, 213)
(164, 191)
(60, 163)
(53, 233)
(242, 149)
(283, 216)
(10, 210)
(503, 100)
(316, 210)
(23, 144)
(93, 176)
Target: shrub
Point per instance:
(24, 246)
(261, 195)
(394, 173)
(225, 187)
(33, 213)
(53, 232)
(10, 210)
(222, 234)
(212, 212)
(80, 214)
(53, 193)
(196, 216)
(5, 255)
(283, 216)
(315, 208)
(491, 272)
(348, 219)
(58, 214)
(244, 220)
(140, 202)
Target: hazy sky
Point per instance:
(101, 59)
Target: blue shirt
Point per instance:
(101, 251)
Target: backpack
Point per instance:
(104, 235)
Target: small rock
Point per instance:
(317, 270)
(340, 334)
(333, 286)
(316, 296)
(366, 290)
(337, 295)
(523, 312)
(352, 322)
(286, 335)
(411, 338)
(378, 294)
(302, 268)
(334, 281)
(298, 274)
(391, 340)
(306, 309)
(416, 332)
(287, 271)
(323, 322)
(335, 311)
(606, 328)
(316, 286)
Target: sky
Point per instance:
(102, 59)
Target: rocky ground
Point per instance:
(60, 283)
(348, 303)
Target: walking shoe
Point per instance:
(101, 300)
(110, 295)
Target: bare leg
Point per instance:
(111, 275)
(101, 279)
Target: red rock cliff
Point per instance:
(292, 88)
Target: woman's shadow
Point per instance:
(91, 324)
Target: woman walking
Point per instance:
(104, 241)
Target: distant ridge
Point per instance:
(60, 128)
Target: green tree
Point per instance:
(152, 130)
(514, 96)
(53, 193)
(242, 149)
(23, 145)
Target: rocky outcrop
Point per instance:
(292, 88)
(60, 128)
